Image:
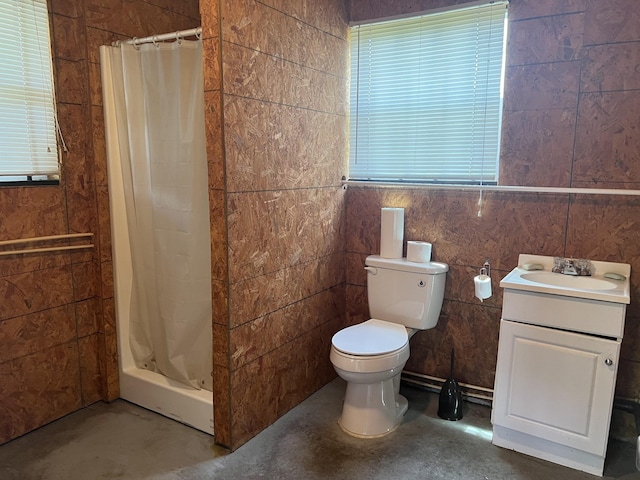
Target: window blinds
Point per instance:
(426, 97)
(27, 108)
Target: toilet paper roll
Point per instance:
(391, 232)
(419, 252)
(483, 286)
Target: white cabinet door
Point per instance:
(555, 385)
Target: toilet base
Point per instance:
(372, 410)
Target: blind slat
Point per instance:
(28, 143)
(426, 96)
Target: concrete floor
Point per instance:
(121, 440)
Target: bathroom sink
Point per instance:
(595, 287)
(580, 283)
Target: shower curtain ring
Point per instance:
(155, 41)
(136, 45)
(178, 38)
(199, 34)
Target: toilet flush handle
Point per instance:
(372, 270)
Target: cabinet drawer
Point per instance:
(567, 313)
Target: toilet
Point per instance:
(404, 297)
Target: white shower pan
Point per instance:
(143, 387)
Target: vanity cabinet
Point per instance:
(555, 377)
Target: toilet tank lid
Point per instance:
(402, 264)
(373, 337)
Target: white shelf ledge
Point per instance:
(497, 188)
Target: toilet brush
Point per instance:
(450, 405)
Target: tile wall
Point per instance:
(282, 227)
(276, 121)
(571, 119)
(57, 336)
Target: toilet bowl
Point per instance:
(404, 297)
(370, 357)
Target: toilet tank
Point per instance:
(404, 292)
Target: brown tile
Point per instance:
(220, 301)
(106, 274)
(95, 84)
(305, 367)
(29, 334)
(354, 269)
(209, 13)
(218, 233)
(254, 398)
(69, 8)
(99, 152)
(32, 212)
(363, 220)
(221, 406)
(258, 337)
(220, 345)
(610, 67)
(628, 381)
(108, 352)
(254, 25)
(523, 9)
(211, 64)
(256, 75)
(68, 38)
(15, 264)
(96, 38)
(459, 285)
(265, 294)
(188, 8)
(537, 147)
(611, 21)
(545, 39)
(91, 379)
(631, 341)
(459, 327)
(510, 224)
(214, 139)
(607, 228)
(606, 138)
(270, 147)
(269, 231)
(108, 316)
(35, 291)
(357, 305)
(370, 9)
(104, 224)
(88, 316)
(39, 388)
(70, 81)
(73, 124)
(330, 16)
(81, 200)
(542, 87)
(143, 20)
(86, 280)
(301, 367)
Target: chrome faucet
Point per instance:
(570, 266)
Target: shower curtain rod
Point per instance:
(179, 35)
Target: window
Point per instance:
(426, 96)
(28, 147)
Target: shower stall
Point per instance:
(158, 192)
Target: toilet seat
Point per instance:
(372, 338)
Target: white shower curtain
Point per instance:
(154, 117)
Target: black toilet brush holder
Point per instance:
(450, 403)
